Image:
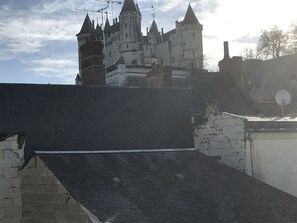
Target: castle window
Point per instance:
(127, 45)
(109, 54)
(125, 25)
(193, 53)
(194, 34)
(126, 35)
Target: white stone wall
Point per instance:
(11, 161)
(275, 159)
(222, 136)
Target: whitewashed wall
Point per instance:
(222, 136)
(275, 159)
(11, 161)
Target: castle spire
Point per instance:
(107, 24)
(190, 17)
(87, 26)
(129, 6)
(154, 28)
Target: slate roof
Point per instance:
(154, 28)
(219, 88)
(171, 187)
(107, 24)
(98, 31)
(87, 26)
(190, 17)
(129, 6)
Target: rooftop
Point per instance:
(166, 186)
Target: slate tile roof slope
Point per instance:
(221, 89)
(168, 187)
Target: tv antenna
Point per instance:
(101, 10)
(283, 98)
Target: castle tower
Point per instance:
(92, 69)
(131, 47)
(85, 33)
(191, 36)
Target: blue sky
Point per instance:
(38, 42)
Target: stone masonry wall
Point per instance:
(222, 136)
(44, 198)
(11, 161)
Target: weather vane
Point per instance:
(153, 12)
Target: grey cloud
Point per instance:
(247, 39)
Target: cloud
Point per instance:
(27, 31)
(63, 69)
(247, 39)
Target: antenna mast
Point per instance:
(153, 12)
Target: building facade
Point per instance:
(125, 44)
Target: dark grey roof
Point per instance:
(107, 24)
(87, 26)
(190, 17)
(219, 88)
(98, 31)
(113, 28)
(154, 28)
(78, 78)
(137, 7)
(168, 187)
(171, 32)
(101, 117)
(129, 6)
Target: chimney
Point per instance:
(93, 23)
(116, 19)
(147, 31)
(226, 50)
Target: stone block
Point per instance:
(29, 180)
(9, 154)
(11, 163)
(1, 172)
(12, 212)
(66, 218)
(4, 145)
(12, 220)
(2, 213)
(11, 172)
(1, 155)
(6, 203)
(47, 180)
(10, 183)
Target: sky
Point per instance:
(38, 37)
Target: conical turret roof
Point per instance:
(87, 26)
(190, 17)
(107, 24)
(129, 6)
(98, 31)
(154, 28)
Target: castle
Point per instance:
(129, 55)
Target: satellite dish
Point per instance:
(283, 98)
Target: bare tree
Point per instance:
(273, 42)
(293, 38)
(250, 53)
